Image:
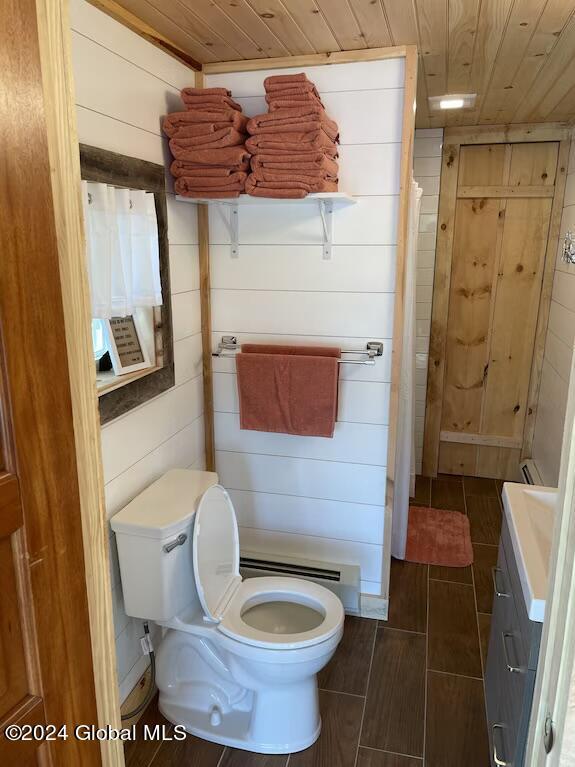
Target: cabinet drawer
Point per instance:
(529, 630)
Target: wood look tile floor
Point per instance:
(407, 692)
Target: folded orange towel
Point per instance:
(206, 171)
(289, 161)
(291, 393)
(312, 180)
(220, 138)
(208, 194)
(288, 189)
(190, 185)
(302, 118)
(177, 122)
(283, 81)
(227, 156)
(181, 147)
(192, 92)
(289, 141)
(209, 102)
(291, 102)
(204, 180)
(292, 89)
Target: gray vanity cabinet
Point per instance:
(511, 662)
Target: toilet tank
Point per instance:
(154, 539)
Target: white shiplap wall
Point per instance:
(427, 172)
(123, 86)
(315, 497)
(558, 351)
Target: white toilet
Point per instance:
(238, 663)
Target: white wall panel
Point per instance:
(182, 222)
(366, 117)
(316, 497)
(558, 351)
(184, 268)
(369, 169)
(252, 311)
(139, 98)
(123, 87)
(330, 480)
(371, 221)
(284, 267)
(188, 357)
(309, 516)
(427, 168)
(372, 75)
(549, 425)
(102, 29)
(131, 437)
(186, 320)
(178, 451)
(106, 132)
(352, 442)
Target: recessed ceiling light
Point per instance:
(453, 101)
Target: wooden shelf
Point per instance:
(338, 199)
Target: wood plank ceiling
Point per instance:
(517, 55)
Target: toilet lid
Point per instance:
(216, 551)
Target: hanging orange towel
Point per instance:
(291, 392)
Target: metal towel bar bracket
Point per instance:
(228, 346)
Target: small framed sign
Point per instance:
(127, 351)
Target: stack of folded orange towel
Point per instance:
(294, 145)
(208, 144)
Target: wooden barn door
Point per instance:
(503, 204)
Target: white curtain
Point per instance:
(404, 485)
(122, 249)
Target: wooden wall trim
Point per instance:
(440, 307)
(406, 176)
(54, 37)
(135, 24)
(206, 323)
(507, 134)
(311, 60)
(545, 299)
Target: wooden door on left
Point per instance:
(47, 671)
(21, 700)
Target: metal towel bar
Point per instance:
(373, 349)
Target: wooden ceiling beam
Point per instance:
(315, 59)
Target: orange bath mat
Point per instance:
(438, 537)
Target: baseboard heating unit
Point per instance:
(343, 580)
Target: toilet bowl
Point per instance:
(238, 662)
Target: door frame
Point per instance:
(67, 478)
(453, 140)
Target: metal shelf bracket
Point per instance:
(326, 213)
(232, 224)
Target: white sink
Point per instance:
(530, 514)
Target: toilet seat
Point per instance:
(226, 598)
(259, 591)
